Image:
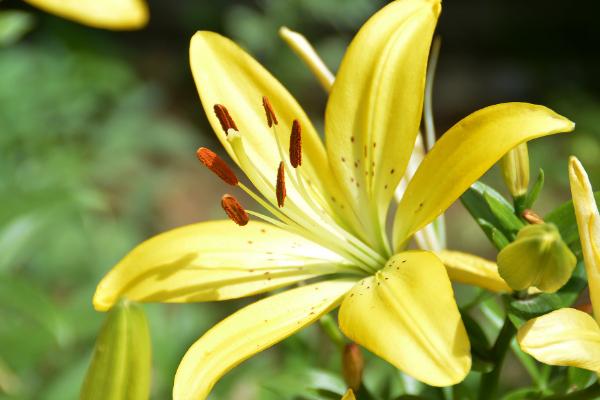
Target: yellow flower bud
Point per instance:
(121, 364)
(537, 258)
(515, 170)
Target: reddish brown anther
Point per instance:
(531, 217)
(280, 188)
(271, 117)
(224, 118)
(234, 210)
(296, 144)
(217, 165)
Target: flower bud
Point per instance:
(537, 258)
(121, 362)
(352, 366)
(515, 170)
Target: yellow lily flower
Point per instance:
(106, 14)
(328, 207)
(568, 336)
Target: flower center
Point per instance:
(294, 204)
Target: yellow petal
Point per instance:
(566, 337)
(249, 331)
(106, 14)
(214, 260)
(308, 54)
(588, 222)
(349, 395)
(406, 314)
(464, 153)
(374, 110)
(473, 270)
(225, 74)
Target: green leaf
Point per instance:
(493, 213)
(544, 303)
(580, 378)
(564, 218)
(21, 297)
(13, 25)
(480, 346)
(121, 365)
(534, 193)
(523, 394)
(494, 235)
(504, 212)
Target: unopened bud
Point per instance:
(352, 366)
(537, 258)
(121, 363)
(515, 170)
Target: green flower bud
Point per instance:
(352, 366)
(515, 170)
(121, 363)
(537, 258)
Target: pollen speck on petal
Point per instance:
(280, 188)
(217, 165)
(234, 210)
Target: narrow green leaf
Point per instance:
(121, 364)
(504, 212)
(13, 25)
(523, 394)
(494, 235)
(480, 346)
(564, 218)
(477, 201)
(580, 378)
(534, 193)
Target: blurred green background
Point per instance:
(98, 132)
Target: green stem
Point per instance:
(494, 316)
(333, 332)
(488, 387)
(529, 365)
(593, 392)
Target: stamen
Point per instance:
(296, 144)
(234, 210)
(271, 117)
(280, 188)
(217, 165)
(224, 118)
